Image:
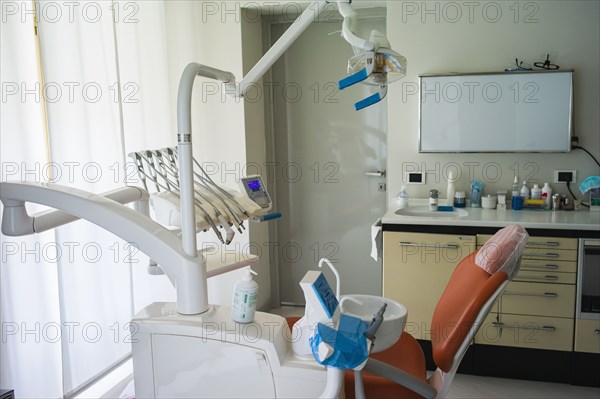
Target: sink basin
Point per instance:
(394, 317)
(424, 212)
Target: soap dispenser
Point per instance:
(515, 187)
(244, 298)
(402, 198)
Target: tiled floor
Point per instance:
(475, 387)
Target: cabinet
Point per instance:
(416, 270)
(587, 336)
(537, 309)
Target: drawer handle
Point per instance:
(546, 255)
(549, 255)
(597, 332)
(437, 246)
(532, 266)
(513, 327)
(544, 295)
(543, 278)
(544, 243)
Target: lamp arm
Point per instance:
(285, 41)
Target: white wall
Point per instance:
(256, 156)
(445, 41)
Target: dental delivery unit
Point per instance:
(191, 348)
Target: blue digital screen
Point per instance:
(325, 295)
(254, 185)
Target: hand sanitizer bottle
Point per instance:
(515, 188)
(524, 191)
(402, 198)
(244, 298)
(536, 192)
(547, 195)
(450, 190)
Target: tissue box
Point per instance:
(595, 200)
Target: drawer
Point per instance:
(526, 332)
(549, 265)
(549, 254)
(540, 299)
(540, 242)
(427, 248)
(587, 336)
(535, 276)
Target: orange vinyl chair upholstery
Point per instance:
(399, 371)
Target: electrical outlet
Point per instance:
(414, 177)
(564, 176)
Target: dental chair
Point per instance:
(478, 280)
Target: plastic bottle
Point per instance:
(547, 195)
(244, 298)
(536, 192)
(402, 198)
(450, 190)
(515, 188)
(433, 200)
(524, 191)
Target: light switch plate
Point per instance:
(414, 177)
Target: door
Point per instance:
(323, 148)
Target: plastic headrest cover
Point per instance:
(503, 251)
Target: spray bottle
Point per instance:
(244, 298)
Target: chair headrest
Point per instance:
(503, 251)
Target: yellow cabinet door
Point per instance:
(587, 336)
(416, 270)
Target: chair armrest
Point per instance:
(400, 377)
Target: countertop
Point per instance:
(479, 217)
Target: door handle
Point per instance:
(377, 173)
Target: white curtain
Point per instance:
(86, 283)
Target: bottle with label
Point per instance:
(450, 190)
(243, 307)
(524, 191)
(536, 192)
(402, 198)
(515, 188)
(547, 195)
(433, 200)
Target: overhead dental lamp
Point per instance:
(374, 63)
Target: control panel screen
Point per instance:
(254, 185)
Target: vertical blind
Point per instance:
(73, 108)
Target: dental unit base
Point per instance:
(211, 356)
